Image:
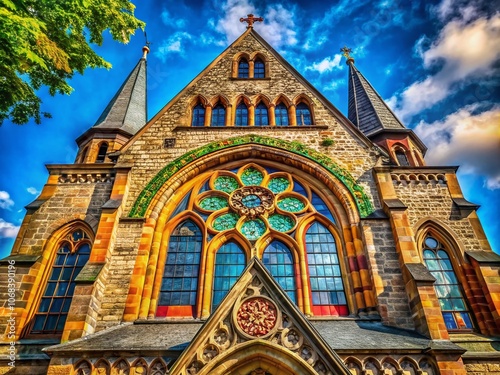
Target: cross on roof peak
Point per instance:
(250, 20)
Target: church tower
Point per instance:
(251, 228)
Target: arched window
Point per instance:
(278, 260)
(259, 69)
(327, 288)
(448, 289)
(101, 154)
(229, 264)
(180, 277)
(261, 115)
(241, 115)
(281, 114)
(218, 115)
(243, 68)
(303, 114)
(198, 115)
(401, 158)
(72, 254)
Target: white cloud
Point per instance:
(467, 139)
(327, 64)
(172, 21)
(32, 190)
(465, 50)
(5, 201)
(174, 44)
(8, 230)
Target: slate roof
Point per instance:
(366, 109)
(127, 110)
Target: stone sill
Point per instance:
(253, 128)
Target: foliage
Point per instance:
(327, 142)
(45, 42)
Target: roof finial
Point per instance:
(345, 52)
(145, 49)
(250, 20)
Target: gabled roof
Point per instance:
(367, 110)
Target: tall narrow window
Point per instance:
(259, 69)
(278, 260)
(281, 114)
(303, 114)
(180, 277)
(218, 115)
(327, 288)
(229, 264)
(198, 116)
(243, 69)
(241, 115)
(101, 154)
(261, 116)
(448, 290)
(72, 255)
(401, 158)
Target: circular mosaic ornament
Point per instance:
(225, 222)
(253, 229)
(213, 203)
(291, 204)
(251, 176)
(252, 201)
(257, 316)
(278, 184)
(226, 184)
(281, 223)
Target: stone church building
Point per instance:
(250, 228)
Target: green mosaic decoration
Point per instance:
(144, 199)
(226, 184)
(213, 203)
(281, 223)
(251, 176)
(291, 204)
(278, 184)
(225, 222)
(253, 229)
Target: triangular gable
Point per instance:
(257, 328)
(342, 119)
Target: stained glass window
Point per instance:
(241, 115)
(281, 223)
(448, 289)
(278, 184)
(198, 116)
(226, 221)
(213, 203)
(229, 264)
(72, 255)
(401, 158)
(291, 204)
(251, 176)
(281, 115)
(327, 288)
(243, 69)
(180, 276)
(278, 260)
(259, 69)
(226, 184)
(218, 115)
(253, 229)
(101, 154)
(303, 114)
(261, 117)
(321, 207)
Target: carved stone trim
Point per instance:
(263, 201)
(257, 317)
(88, 178)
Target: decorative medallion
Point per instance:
(252, 201)
(291, 204)
(226, 184)
(225, 222)
(253, 229)
(257, 316)
(278, 184)
(213, 203)
(281, 223)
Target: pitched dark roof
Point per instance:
(127, 110)
(367, 110)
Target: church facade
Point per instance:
(250, 228)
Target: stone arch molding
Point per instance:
(348, 190)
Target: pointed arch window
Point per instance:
(198, 115)
(101, 154)
(303, 114)
(259, 69)
(281, 115)
(327, 287)
(279, 261)
(401, 158)
(180, 276)
(72, 254)
(243, 68)
(448, 289)
(218, 115)
(229, 264)
(261, 115)
(241, 115)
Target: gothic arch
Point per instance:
(242, 99)
(102, 367)
(262, 98)
(220, 99)
(82, 367)
(303, 98)
(140, 367)
(282, 98)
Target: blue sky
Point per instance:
(436, 63)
